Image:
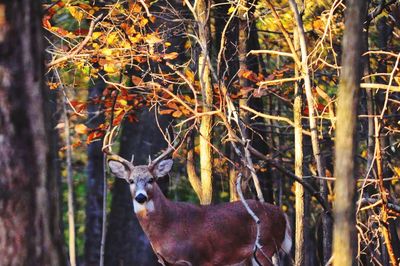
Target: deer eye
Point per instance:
(130, 181)
(151, 180)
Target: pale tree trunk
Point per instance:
(344, 238)
(70, 185)
(29, 199)
(319, 159)
(202, 13)
(193, 178)
(300, 230)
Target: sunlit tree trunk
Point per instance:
(344, 239)
(29, 199)
(318, 156)
(300, 230)
(70, 185)
(193, 178)
(202, 10)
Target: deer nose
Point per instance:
(140, 198)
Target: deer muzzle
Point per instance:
(141, 198)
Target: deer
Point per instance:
(184, 234)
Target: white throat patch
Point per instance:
(148, 206)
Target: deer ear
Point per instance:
(162, 168)
(118, 169)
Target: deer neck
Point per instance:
(154, 211)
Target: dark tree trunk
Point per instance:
(126, 243)
(94, 198)
(258, 137)
(29, 199)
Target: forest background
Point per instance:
(301, 97)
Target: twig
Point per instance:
(257, 244)
(234, 138)
(252, 52)
(377, 202)
(79, 47)
(104, 211)
(272, 117)
(284, 32)
(279, 81)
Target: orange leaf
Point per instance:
(177, 114)
(173, 105)
(136, 80)
(171, 56)
(166, 112)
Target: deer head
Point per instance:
(140, 178)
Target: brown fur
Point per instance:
(223, 234)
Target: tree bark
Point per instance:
(193, 178)
(300, 230)
(94, 195)
(318, 156)
(344, 207)
(70, 185)
(206, 174)
(29, 196)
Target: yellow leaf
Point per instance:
(96, 35)
(189, 74)
(76, 13)
(106, 51)
(167, 44)
(123, 102)
(231, 9)
(80, 129)
(109, 68)
(112, 38)
(143, 22)
(134, 39)
(126, 45)
(188, 44)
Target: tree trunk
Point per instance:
(318, 156)
(29, 199)
(206, 175)
(126, 243)
(94, 195)
(300, 230)
(344, 207)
